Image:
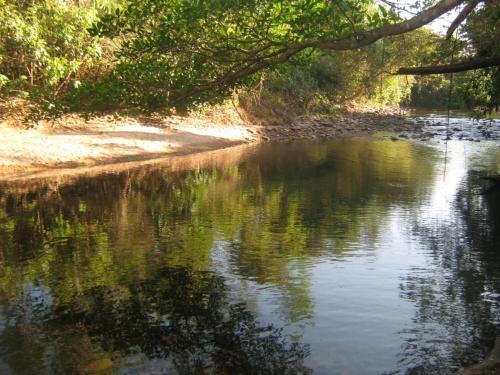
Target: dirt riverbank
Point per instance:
(73, 144)
(105, 141)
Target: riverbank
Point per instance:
(490, 366)
(105, 141)
(71, 143)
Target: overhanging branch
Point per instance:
(452, 68)
(461, 17)
(371, 36)
(341, 44)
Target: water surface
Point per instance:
(339, 257)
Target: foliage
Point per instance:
(479, 90)
(482, 88)
(158, 54)
(314, 83)
(185, 52)
(45, 48)
(474, 90)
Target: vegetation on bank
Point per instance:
(157, 55)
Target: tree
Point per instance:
(481, 50)
(184, 52)
(482, 32)
(43, 44)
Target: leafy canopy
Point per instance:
(172, 52)
(44, 43)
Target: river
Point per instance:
(349, 256)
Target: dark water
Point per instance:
(343, 257)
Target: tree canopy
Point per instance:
(177, 52)
(180, 54)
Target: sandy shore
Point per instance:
(72, 144)
(25, 153)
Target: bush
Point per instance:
(44, 45)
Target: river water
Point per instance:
(335, 257)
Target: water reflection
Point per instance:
(180, 316)
(454, 325)
(323, 256)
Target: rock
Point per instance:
(491, 297)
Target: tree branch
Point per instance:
(349, 43)
(369, 37)
(452, 68)
(461, 17)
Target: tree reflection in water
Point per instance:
(114, 272)
(464, 259)
(178, 315)
(92, 254)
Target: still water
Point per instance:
(340, 257)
